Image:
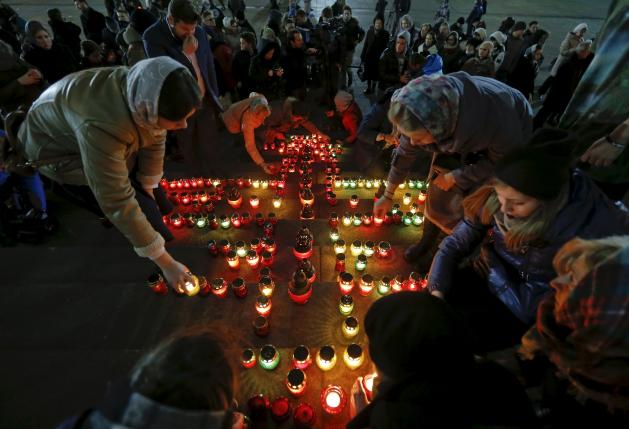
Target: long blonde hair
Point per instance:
(482, 205)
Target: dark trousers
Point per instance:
(198, 143)
(153, 209)
(491, 324)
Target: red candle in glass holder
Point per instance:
(185, 199)
(397, 284)
(271, 217)
(330, 197)
(421, 198)
(235, 220)
(239, 287)
(366, 284)
(378, 221)
(254, 201)
(263, 305)
(157, 284)
(304, 416)
(224, 246)
(340, 262)
(259, 219)
(253, 259)
(301, 357)
(204, 286)
(267, 258)
(268, 229)
(280, 409)
(346, 282)
(258, 408)
(177, 221)
(333, 399)
(333, 220)
(414, 281)
(233, 260)
(261, 326)
(245, 218)
(248, 359)
(270, 245)
(354, 201)
(384, 249)
(219, 287)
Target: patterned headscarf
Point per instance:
(435, 102)
(144, 84)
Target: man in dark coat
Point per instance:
(93, 22)
(178, 36)
(242, 62)
(393, 65)
(294, 65)
(65, 32)
(352, 35)
(375, 43)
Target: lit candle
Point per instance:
(241, 249)
(339, 246)
(277, 202)
(368, 382)
(330, 197)
(157, 284)
(267, 258)
(333, 220)
(235, 220)
(239, 287)
(407, 199)
(256, 183)
(296, 381)
(254, 201)
(261, 326)
(407, 219)
(417, 219)
(263, 305)
(346, 305)
(333, 399)
(265, 184)
(269, 357)
(191, 287)
(361, 263)
(414, 208)
(414, 282)
(367, 219)
(369, 248)
(266, 286)
(224, 221)
(248, 359)
(219, 287)
(356, 248)
(350, 327)
(301, 357)
(234, 199)
(326, 358)
(232, 260)
(358, 219)
(338, 182)
(397, 284)
(253, 259)
(185, 198)
(204, 287)
(346, 282)
(347, 219)
(176, 220)
(224, 246)
(353, 201)
(270, 245)
(307, 213)
(366, 284)
(306, 197)
(384, 286)
(334, 235)
(378, 221)
(212, 221)
(384, 249)
(411, 184)
(201, 221)
(353, 356)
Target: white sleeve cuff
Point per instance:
(153, 250)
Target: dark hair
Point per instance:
(346, 7)
(180, 94)
(378, 17)
(326, 12)
(184, 11)
(248, 37)
(301, 13)
(189, 371)
(533, 23)
(291, 35)
(88, 47)
(54, 14)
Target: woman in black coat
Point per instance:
(265, 71)
(53, 59)
(375, 42)
(525, 72)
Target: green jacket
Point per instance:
(88, 115)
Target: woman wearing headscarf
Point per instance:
(525, 72)
(532, 207)
(442, 115)
(451, 53)
(54, 60)
(579, 346)
(567, 48)
(482, 64)
(427, 375)
(109, 153)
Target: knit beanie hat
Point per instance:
(410, 333)
(342, 100)
(540, 169)
(520, 25)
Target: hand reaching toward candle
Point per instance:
(358, 398)
(382, 206)
(269, 168)
(175, 273)
(445, 182)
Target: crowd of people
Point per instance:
(520, 248)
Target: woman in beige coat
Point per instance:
(102, 132)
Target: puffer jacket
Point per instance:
(521, 279)
(102, 144)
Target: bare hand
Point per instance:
(190, 45)
(269, 168)
(601, 153)
(279, 72)
(445, 182)
(358, 398)
(312, 51)
(382, 206)
(31, 77)
(437, 293)
(175, 273)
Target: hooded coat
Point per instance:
(566, 49)
(105, 140)
(270, 86)
(521, 279)
(421, 346)
(452, 112)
